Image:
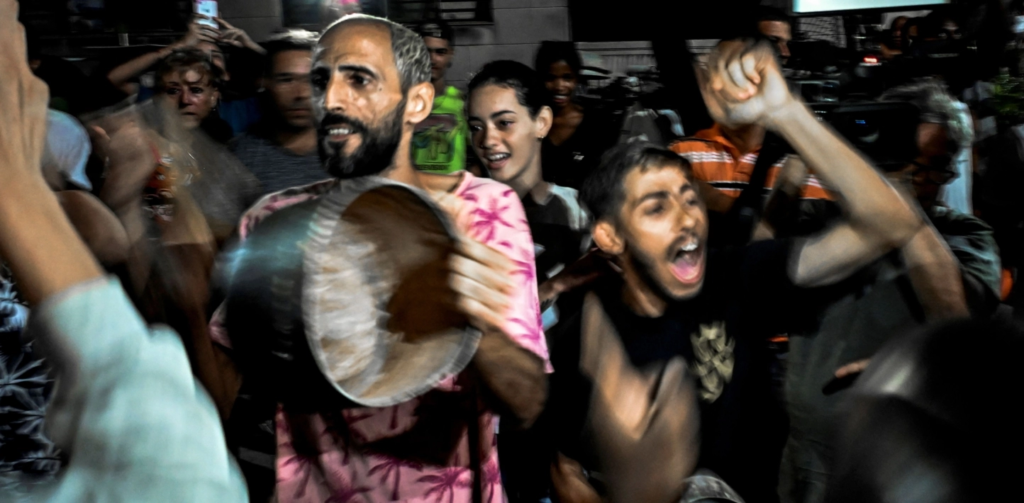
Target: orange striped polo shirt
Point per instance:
(716, 161)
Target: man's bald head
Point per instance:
(410, 53)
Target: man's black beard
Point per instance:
(375, 153)
(643, 268)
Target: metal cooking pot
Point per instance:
(343, 300)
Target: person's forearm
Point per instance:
(714, 199)
(37, 241)
(254, 47)
(935, 274)
(514, 376)
(872, 205)
(124, 73)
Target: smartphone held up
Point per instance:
(207, 11)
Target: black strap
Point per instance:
(749, 206)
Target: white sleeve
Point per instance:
(136, 425)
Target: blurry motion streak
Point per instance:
(177, 194)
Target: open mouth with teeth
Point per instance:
(687, 262)
(339, 134)
(497, 160)
(560, 99)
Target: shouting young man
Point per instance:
(715, 308)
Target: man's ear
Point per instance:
(607, 238)
(545, 118)
(419, 103)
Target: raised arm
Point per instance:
(121, 76)
(935, 275)
(124, 389)
(744, 86)
(36, 239)
(238, 37)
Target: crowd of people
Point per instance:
(312, 270)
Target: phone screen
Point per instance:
(207, 8)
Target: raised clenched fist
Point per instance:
(743, 84)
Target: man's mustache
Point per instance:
(331, 120)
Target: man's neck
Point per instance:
(638, 295)
(298, 141)
(440, 87)
(401, 169)
(746, 139)
(570, 108)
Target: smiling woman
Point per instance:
(508, 120)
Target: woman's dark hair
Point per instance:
(190, 58)
(551, 52)
(515, 76)
(602, 190)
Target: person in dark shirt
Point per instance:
(578, 136)
(950, 269)
(280, 150)
(716, 308)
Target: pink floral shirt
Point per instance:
(367, 455)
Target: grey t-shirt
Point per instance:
(276, 168)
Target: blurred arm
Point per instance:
(127, 408)
(784, 202)
(513, 375)
(935, 274)
(877, 218)
(122, 75)
(745, 86)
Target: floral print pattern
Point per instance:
(332, 465)
(26, 454)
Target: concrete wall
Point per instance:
(519, 27)
(259, 18)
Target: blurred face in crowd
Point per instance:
(216, 55)
(441, 53)
(358, 101)
(505, 136)
(290, 89)
(950, 30)
(780, 34)
(660, 231)
(896, 30)
(188, 93)
(560, 82)
(933, 166)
